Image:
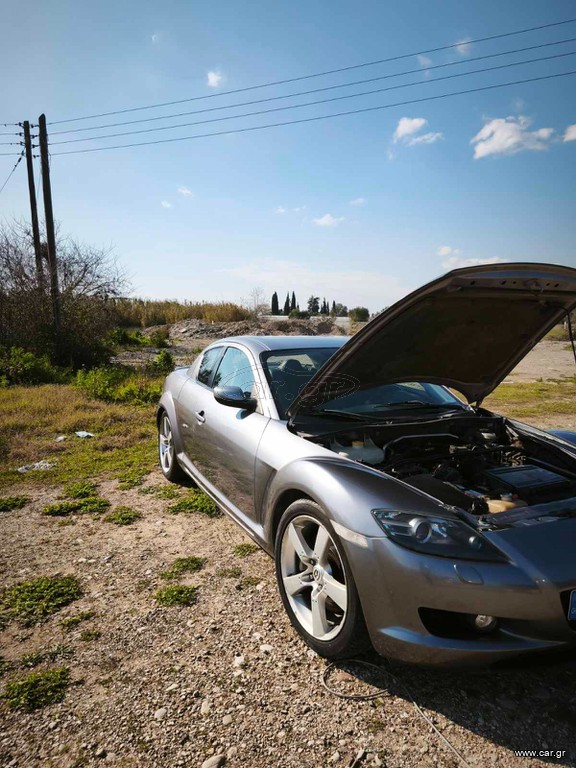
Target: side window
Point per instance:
(208, 363)
(235, 371)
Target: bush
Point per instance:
(359, 314)
(159, 338)
(131, 313)
(123, 385)
(163, 363)
(296, 314)
(20, 367)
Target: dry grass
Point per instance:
(32, 417)
(535, 400)
(146, 312)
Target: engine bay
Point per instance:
(477, 463)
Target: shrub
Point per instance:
(163, 363)
(296, 314)
(31, 602)
(359, 314)
(183, 565)
(38, 689)
(20, 367)
(123, 385)
(123, 516)
(159, 338)
(101, 383)
(177, 594)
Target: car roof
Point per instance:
(259, 344)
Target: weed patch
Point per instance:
(93, 505)
(82, 490)
(230, 573)
(248, 581)
(197, 501)
(38, 689)
(168, 492)
(31, 602)
(131, 479)
(87, 635)
(59, 651)
(8, 503)
(183, 565)
(123, 516)
(245, 549)
(177, 594)
(71, 622)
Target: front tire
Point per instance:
(171, 470)
(316, 584)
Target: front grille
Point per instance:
(565, 598)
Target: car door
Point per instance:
(221, 440)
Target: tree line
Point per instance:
(315, 306)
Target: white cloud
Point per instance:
(354, 287)
(328, 220)
(166, 204)
(509, 135)
(519, 104)
(456, 262)
(358, 201)
(280, 209)
(299, 208)
(447, 250)
(570, 134)
(426, 138)
(463, 46)
(214, 79)
(185, 192)
(424, 61)
(408, 126)
(156, 37)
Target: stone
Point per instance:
(227, 719)
(205, 707)
(214, 762)
(266, 648)
(172, 687)
(160, 714)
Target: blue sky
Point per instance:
(359, 209)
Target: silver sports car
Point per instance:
(398, 512)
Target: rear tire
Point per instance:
(316, 584)
(171, 470)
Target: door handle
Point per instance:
(200, 418)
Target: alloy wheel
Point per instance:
(165, 444)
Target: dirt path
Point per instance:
(548, 360)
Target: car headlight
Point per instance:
(436, 535)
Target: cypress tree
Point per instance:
(293, 302)
(274, 306)
(287, 305)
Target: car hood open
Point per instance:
(466, 330)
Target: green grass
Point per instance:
(177, 594)
(123, 516)
(8, 503)
(233, 572)
(87, 635)
(535, 400)
(81, 490)
(31, 602)
(183, 565)
(59, 651)
(168, 492)
(37, 690)
(245, 549)
(71, 622)
(197, 501)
(248, 581)
(88, 505)
(132, 478)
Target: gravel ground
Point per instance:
(227, 681)
(548, 360)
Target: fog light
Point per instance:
(485, 623)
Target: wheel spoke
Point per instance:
(319, 621)
(294, 584)
(321, 545)
(336, 591)
(298, 542)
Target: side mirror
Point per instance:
(234, 397)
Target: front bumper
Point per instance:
(394, 584)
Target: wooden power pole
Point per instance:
(50, 232)
(33, 208)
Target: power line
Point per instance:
(16, 164)
(321, 74)
(315, 90)
(314, 103)
(320, 117)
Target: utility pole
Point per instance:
(33, 208)
(50, 233)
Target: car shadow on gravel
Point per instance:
(525, 705)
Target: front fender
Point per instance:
(347, 491)
(167, 404)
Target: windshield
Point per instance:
(289, 370)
